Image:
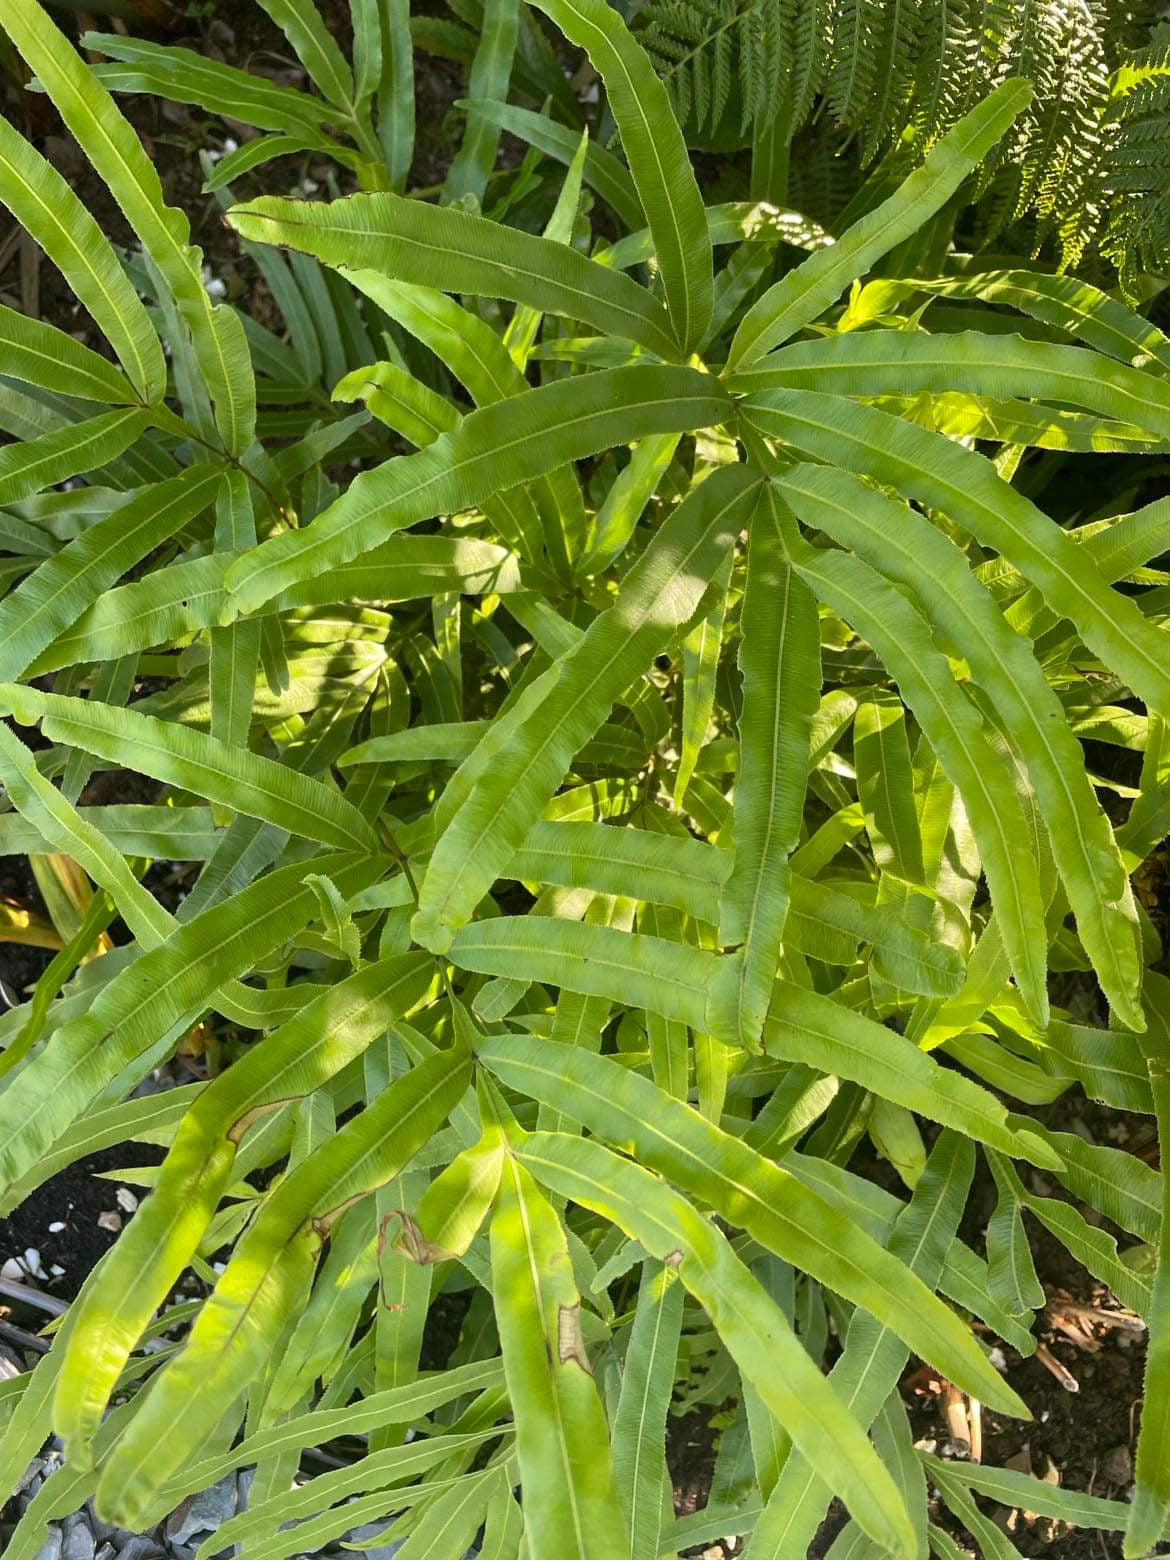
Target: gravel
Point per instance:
(80, 1543)
(139, 1547)
(51, 1548)
(381, 1551)
(208, 1510)
(84, 1536)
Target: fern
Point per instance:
(898, 28)
(809, 26)
(1137, 237)
(1088, 163)
(1059, 48)
(949, 61)
(703, 47)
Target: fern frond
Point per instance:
(1087, 165)
(948, 64)
(701, 48)
(857, 34)
(1137, 166)
(1061, 50)
(895, 71)
(823, 176)
(810, 27)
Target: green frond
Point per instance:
(1137, 165)
(706, 49)
(1087, 167)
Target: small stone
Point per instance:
(109, 1221)
(106, 1552)
(32, 1475)
(101, 1530)
(32, 1261)
(51, 1548)
(137, 1547)
(1117, 1465)
(11, 1268)
(370, 1530)
(126, 1199)
(56, 1227)
(208, 1510)
(79, 1543)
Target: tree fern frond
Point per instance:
(1087, 164)
(857, 32)
(1058, 148)
(823, 176)
(948, 63)
(699, 47)
(1137, 165)
(775, 68)
(811, 31)
(895, 72)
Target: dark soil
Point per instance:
(20, 966)
(1086, 1437)
(76, 1198)
(1083, 1439)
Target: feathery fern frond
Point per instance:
(704, 48)
(1088, 162)
(948, 63)
(1138, 165)
(1057, 149)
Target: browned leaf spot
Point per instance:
(570, 1342)
(411, 1241)
(240, 1126)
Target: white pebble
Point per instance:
(32, 1261)
(56, 1227)
(126, 1199)
(11, 1268)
